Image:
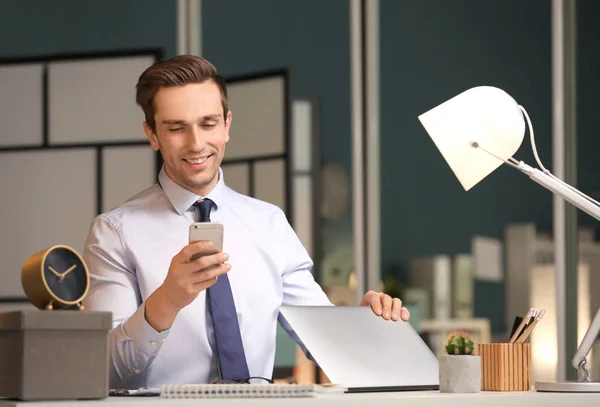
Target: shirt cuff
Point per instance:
(146, 338)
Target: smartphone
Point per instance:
(212, 231)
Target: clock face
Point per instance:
(65, 274)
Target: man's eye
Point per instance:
(209, 125)
(176, 129)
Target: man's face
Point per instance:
(191, 134)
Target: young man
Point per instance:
(177, 320)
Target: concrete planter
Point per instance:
(460, 373)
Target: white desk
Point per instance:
(395, 399)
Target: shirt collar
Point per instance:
(182, 199)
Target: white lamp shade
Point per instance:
(484, 114)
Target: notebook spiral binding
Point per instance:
(245, 390)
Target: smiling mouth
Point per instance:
(197, 160)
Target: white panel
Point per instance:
(48, 198)
(237, 177)
(258, 126)
(21, 105)
(94, 100)
(302, 136)
(269, 182)
(303, 210)
(126, 171)
(487, 258)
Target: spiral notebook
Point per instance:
(248, 390)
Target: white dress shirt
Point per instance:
(129, 250)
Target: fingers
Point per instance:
(371, 298)
(386, 303)
(208, 261)
(203, 279)
(209, 274)
(380, 303)
(385, 306)
(197, 249)
(396, 309)
(202, 258)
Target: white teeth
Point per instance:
(197, 161)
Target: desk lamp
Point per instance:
(476, 132)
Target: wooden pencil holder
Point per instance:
(505, 366)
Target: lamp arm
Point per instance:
(575, 197)
(565, 191)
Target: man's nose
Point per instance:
(197, 139)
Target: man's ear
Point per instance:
(151, 136)
(228, 125)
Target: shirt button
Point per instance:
(163, 340)
(153, 343)
(136, 371)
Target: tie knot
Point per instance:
(204, 207)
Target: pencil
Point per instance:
(523, 337)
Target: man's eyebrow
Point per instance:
(216, 117)
(212, 117)
(173, 122)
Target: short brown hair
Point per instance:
(176, 71)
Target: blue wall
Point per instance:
(41, 27)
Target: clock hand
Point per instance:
(68, 271)
(56, 273)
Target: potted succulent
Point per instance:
(460, 367)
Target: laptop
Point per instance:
(362, 351)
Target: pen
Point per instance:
(516, 323)
(530, 327)
(526, 321)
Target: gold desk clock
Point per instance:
(56, 278)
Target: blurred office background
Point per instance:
(325, 96)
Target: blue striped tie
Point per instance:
(230, 350)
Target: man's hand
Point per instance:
(185, 280)
(385, 306)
